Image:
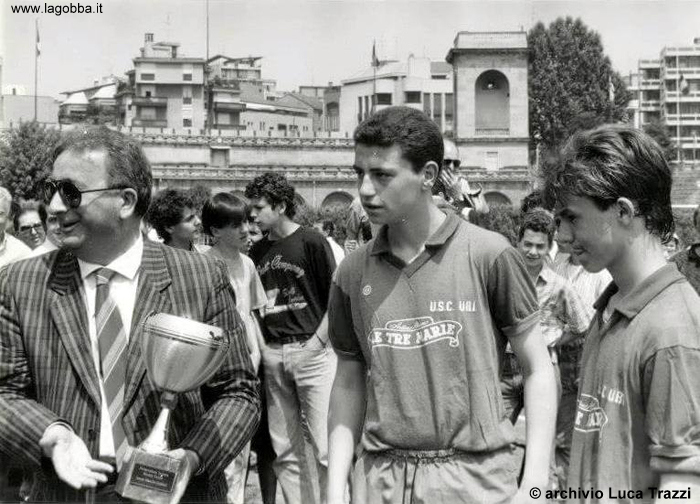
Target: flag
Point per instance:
(38, 42)
(611, 90)
(375, 60)
(683, 85)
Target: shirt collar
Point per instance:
(438, 238)
(545, 275)
(126, 265)
(643, 294)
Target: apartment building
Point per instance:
(165, 89)
(95, 104)
(418, 82)
(669, 92)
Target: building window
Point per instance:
(148, 76)
(187, 77)
(187, 100)
(383, 98)
(413, 96)
(187, 123)
(359, 109)
(427, 109)
(437, 107)
(367, 111)
(147, 94)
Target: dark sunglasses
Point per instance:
(71, 195)
(31, 227)
(454, 162)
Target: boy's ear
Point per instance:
(626, 209)
(431, 170)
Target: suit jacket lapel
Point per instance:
(151, 297)
(69, 315)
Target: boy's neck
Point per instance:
(642, 257)
(284, 227)
(407, 237)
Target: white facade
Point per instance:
(417, 83)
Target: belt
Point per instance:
(292, 338)
(420, 455)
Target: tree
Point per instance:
(656, 130)
(199, 194)
(569, 82)
(26, 158)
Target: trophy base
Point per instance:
(148, 477)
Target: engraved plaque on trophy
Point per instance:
(180, 355)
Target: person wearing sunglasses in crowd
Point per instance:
(172, 213)
(11, 248)
(73, 395)
(30, 223)
(453, 190)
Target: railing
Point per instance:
(149, 101)
(150, 123)
(492, 131)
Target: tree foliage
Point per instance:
(569, 82)
(26, 157)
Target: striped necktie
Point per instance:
(112, 343)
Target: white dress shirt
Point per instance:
(122, 288)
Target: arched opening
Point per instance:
(495, 198)
(337, 198)
(492, 104)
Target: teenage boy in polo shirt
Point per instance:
(636, 427)
(688, 260)
(419, 317)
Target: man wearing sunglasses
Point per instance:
(75, 395)
(453, 190)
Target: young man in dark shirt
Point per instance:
(419, 317)
(636, 433)
(295, 266)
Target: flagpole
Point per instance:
(36, 64)
(374, 74)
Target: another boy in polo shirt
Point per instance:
(419, 317)
(637, 427)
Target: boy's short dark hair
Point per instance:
(533, 200)
(417, 136)
(166, 210)
(538, 220)
(611, 162)
(223, 209)
(275, 188)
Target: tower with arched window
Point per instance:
(491, 108)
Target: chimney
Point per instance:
(149, 38)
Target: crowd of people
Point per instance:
(424, 358)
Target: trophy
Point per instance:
(180, 355)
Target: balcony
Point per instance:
(150, 123)
(649, 83)
(228, 127)
(229, 106)
(492, 132)
(652, 105)
(689, 96)
(149, 101)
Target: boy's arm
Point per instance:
(540, 406)
(345, 418)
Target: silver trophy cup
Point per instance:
(180, 355)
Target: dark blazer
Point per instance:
(47, 372)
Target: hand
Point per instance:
(452, 184)
(190, 465)
(71, 458)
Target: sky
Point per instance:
(310, 42)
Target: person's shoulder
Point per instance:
(672, 317)
(480, 242)
(353, 263)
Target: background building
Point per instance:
(165, 89)
(669, 92)
(96, 104)
(419, 83)
(491, 104)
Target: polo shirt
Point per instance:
(638, 412)
(431, 333)
(688, 262)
